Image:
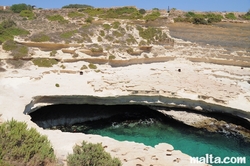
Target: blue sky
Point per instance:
(186, 5)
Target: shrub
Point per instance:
(77, 6)
(117, 34)
(84, 67)
(99, 39)
(116, 25)
(27, 14)
(9, 45)
(247, 15)
(142, 11)
(213, 17)
(8, 24)
(17, 51)
(67, 35)
(20, 52)
(17, 8)
(8, 30)
(122, 13)
(130, 50)
(92, 66)
(40, 38)
(190, 14)
(230, 16)
(89, 154)
(102, 33)
(53, 53)
(44, 62)
(94, 11)
(106, 26)
(111, 57)
(89, 19)
(58, 18)
(199, 19)
(153, 16)
(75, 14)
(23, 146)
(57, 85)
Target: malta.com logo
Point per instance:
(210, 159)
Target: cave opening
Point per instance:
(138, 123)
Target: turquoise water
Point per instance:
(194, 142)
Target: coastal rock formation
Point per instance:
(162, 72)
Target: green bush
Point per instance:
(77, 6)
(68, 34)
(23, 146)
(92, 66)
(9, 45)
(190, 14)
(17, 51)
(246, 16)
(230, 16)
(75, 14)
(99, 39)
(199, 19)
(58, 18)
(116, 25)
(142, 11)
(111, 57)
(8, 30)
(8, 24)
(53, 53)
(89, 154)
(106, 26)
(44, 62)
(102, 33)
(89, 19)
(94, 11)
(122, 13)
(40, 38)
(153, 16)
(17, 8)
(211, 17)
(84, 67)
(57, 85)
(27, 14)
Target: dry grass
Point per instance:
(232, 36)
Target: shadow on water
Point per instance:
(140, 124)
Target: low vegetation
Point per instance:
(57, 18)
(199, 18)
(84, 67)
(17, 51)
(17, 8)
(247, 15)
(230, 16)
(152, 16)
(27, 14)
(44, 62)
(68, 34)
(9, 29)
(88, 154)
(75, 14)
(77, 6)
(41, 37)
(92, 66)
(23, 146)
(152, 34)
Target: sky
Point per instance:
(186, 5)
